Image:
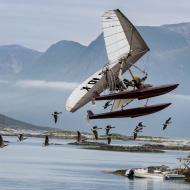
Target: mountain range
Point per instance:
(7, 122)
(71, 62)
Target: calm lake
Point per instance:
(29, 166)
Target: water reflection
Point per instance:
(131, 184)
(150, 185)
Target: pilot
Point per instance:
(139, 82)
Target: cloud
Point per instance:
(42, 84)
(4, 82)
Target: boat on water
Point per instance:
(174, 177)
(146, 173)
(155, 172)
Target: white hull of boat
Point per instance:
(141, 173)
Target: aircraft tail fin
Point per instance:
(90, 113)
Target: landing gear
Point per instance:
(146, 102)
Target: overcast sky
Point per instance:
(38, 24)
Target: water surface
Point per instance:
(29, 166)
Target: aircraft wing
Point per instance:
(122, 40)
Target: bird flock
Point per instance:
(138, 129)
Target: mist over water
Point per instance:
(28, 165)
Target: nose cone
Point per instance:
(169, 87)
(166, 105)
(174, 86)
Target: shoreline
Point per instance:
(150, 144)
(105, 147)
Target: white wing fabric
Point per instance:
(122, 40)
(116, 42)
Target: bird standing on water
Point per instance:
(78, 136)
(46, 142)
(109, 138)
(95, 131)
(135, 135)
(2, 144)
(21, 137)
